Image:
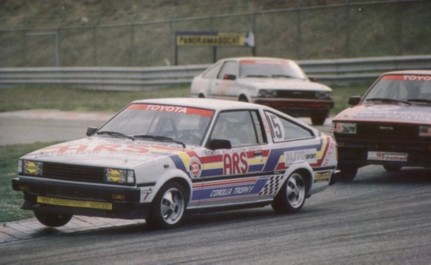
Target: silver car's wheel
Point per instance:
(168, 208)
(292, 195)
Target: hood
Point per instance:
(412, 114)
(97, 151)
(283, 83)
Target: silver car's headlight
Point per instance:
(344, 127)
(267, 93)
(119, 176)
(30, 167)
(323, 94)
(425, 131)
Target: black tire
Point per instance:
(168, 207)
(291, 196)
(242, 98)
(52, 219)
(392, 168)
(317, 119)
(347, 174)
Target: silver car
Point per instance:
(278, 83)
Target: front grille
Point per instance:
(296, 94)
(73, 172)
(387, 131)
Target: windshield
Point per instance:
(412, 89)
(270, 68)
(182, 125)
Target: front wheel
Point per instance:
(291, 197)
(347, 174)
(52, 219)
(168, 208)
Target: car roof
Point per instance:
(206, 103)
(409, 72)
(255, 59)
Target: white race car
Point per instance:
(158, 159)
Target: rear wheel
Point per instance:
(291, 197)
(52, 219)
(168, 207)
(318, 119)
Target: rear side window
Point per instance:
(283, 129)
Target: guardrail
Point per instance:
(332, 72)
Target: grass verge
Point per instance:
(10, 200)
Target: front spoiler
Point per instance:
(124, 200)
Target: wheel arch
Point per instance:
(305, 170)
(174, 176)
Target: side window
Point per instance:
(283, 129)
(212, 72)
(239, 127)
(229, 69)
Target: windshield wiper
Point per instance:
(284, 76)
(116, 134)
(259, 76)
(159, 138)
(388, 100)
(420, 100)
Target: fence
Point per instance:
(331, 72)
(346, 29)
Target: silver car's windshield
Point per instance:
(270, 68)
(160, 123)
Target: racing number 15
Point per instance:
(277, 128)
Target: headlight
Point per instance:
(267, 93)
(425, 131)
(344, 127)
(323, 94)
(30, 167)
(119, 176)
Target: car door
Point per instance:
(224, 85)
(233, 174)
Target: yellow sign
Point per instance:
(214, 39)
(74, 203)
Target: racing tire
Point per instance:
(392, 168)
(291, 197)
(52, 219)
(347, 174)
(168, 207)
(317, 119)
(243, 98)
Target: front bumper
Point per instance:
(356, 153)
(81, 198)
(297, 107)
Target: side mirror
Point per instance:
(215, 144)
(91, 130)
(354, 100)
(229, 77)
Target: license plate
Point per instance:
(75, 203)
(387, 156)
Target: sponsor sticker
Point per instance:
(74, 203)
(387, 156)
(298, 156)
(322, 176)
